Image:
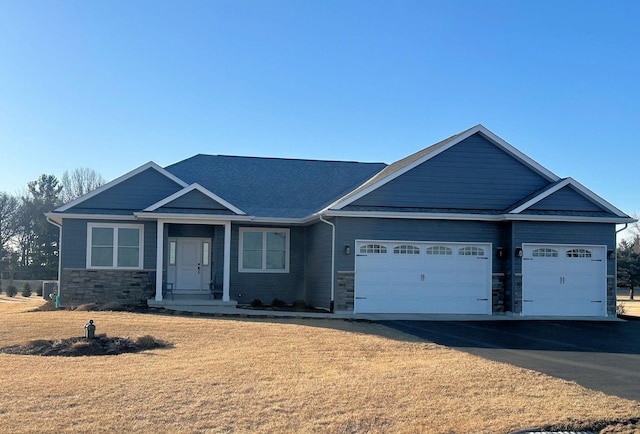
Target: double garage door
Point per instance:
(420, 277)
(564, 280)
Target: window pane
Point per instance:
(172, 253)
(102, 236)
(275, 260)
(205, 254)
(252, 259)
(128, 256)
(102, 256)
(276, 241)
(252, 240)
(128, 237)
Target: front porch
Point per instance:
(188, 300)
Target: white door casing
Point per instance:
(192, 268)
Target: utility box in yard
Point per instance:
(49, 287)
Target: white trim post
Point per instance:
(227, 261)
(159, 259)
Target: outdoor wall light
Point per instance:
(611, 254)
(519, 252)
(499, 252)
(347, 249)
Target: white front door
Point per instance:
(193, 264)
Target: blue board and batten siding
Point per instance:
(74, 242)
(289, 287)
(133, 194)
(569, 200)
(597, 234)
(350, 229)
(195, 202)
(317, 279)
(473, 175)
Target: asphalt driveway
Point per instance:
(602, 356)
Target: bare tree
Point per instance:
(79, 182)
(9, 208)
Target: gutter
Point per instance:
(59, 257)
(333, 260)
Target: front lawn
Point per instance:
(250, 375)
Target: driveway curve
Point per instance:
(602, 356)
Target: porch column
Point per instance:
(159, 259)
(227, 261)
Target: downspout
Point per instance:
(333, 261)
(59, 258)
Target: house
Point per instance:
(469, 225)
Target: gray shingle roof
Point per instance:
(275, 187)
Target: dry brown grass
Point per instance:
(243, 375)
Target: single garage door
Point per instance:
(420, 277)
(564, 280)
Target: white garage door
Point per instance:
(419, 277)
(564, 280)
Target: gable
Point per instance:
(564, 200)
(131, 194)
(194, 202)
(475, 174)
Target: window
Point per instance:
(406, 250)
(114, 246)
(578, 253)
(373, 248)
(471, 251)
(439, 250)
(172, 252)
(545, 253)
(264, 250)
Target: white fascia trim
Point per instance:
(57, 217)
(575, 184)
(201, 189)
(477, 217)
(339, 204)
(183, 218)
(134, 172)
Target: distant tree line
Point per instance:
(28, 242)
(629, 260)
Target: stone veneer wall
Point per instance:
(497, 293)
(517, 293)
(612, 300)
(344, 292)
(80, 286)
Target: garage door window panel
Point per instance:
(578, 253)
(545, 253)
(406, 250)
(471, 251)
(373, 249)
(439, 251)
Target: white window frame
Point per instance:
(115, 227)
(264, 268)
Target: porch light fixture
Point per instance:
(611, 254)
(500, 252)
(347, 249)
(519, 252)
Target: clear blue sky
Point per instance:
(111, 85)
